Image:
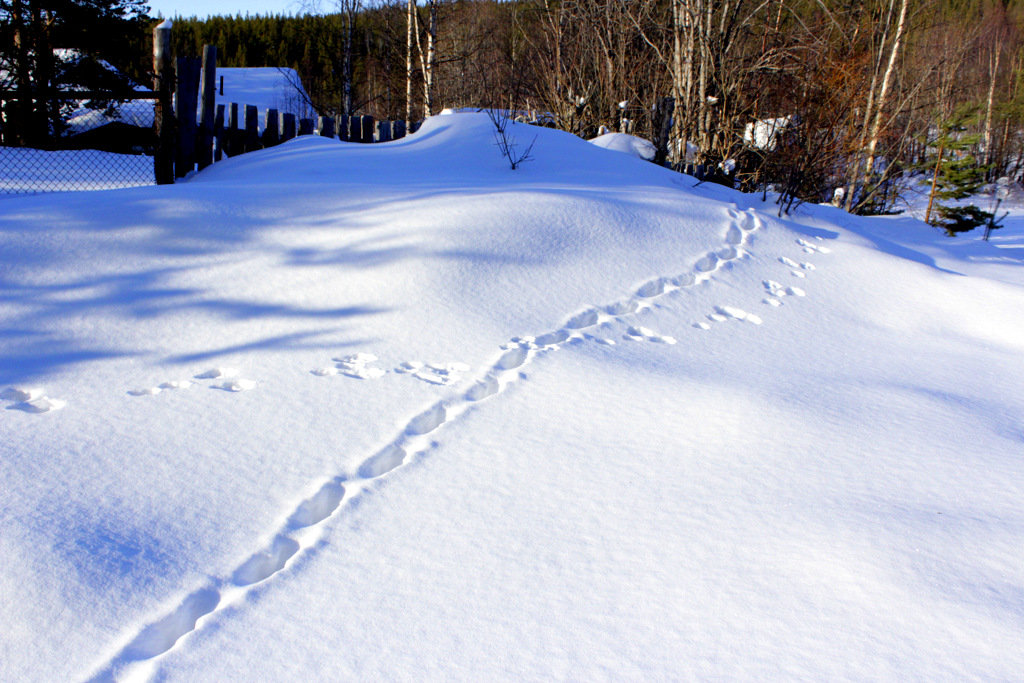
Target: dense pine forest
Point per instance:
(819, 99)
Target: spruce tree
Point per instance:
(956, 175)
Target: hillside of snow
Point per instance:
(338, 411)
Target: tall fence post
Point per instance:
(163, 118)
(208, 97)
(662, 123)
(186, 101)
(252, 129)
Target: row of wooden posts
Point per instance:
(186, 142)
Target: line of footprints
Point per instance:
(305, 525)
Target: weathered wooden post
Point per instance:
(662, 124)
(367, 129)
(271, 129)
(220, 135)
(398, 129)
(252, 128)
(383, 133)
(325, 127)
(235, 134)
(186, 99)
(306, 126)
(355, 130)
(343, 128)
(287, 127)
(163, 116)
(204, 152)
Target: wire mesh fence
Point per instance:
(101, 146)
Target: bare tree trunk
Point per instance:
(876, 127)
(410, 18)
(430, 62)
(993, 72)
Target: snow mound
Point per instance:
(629, 144)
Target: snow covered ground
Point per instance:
(338, 411)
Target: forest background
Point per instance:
(821, 100)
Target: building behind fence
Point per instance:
(158, 136)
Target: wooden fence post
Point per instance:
(662, 124)
(219, 133)
(398, 129)
(367, 129)
(209, 93)
(271, 129)
(163, 116)
(343, 128)
(186, 97)
(383, 133)
(306, 126)
(236, 137)
(287, 126)
(355, 130)
(325, 127)
(252, 128)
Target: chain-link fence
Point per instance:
(99, 148)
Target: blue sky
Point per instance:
(203, 8)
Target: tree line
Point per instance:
(818, 99)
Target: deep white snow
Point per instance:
(337, 411)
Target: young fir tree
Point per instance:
(956, 175)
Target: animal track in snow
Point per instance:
(638, 333)
(726, 312)
(441, 374)
(265, 564)
(485, 388)
(31, 400)
(311, 513)
(383, 462)
(236, 385)
(160, 636)
(218, 373)
(706, 264)
(811, 248)
(358, 365)
(734, 235)
(587, 318)
(319, 507)
(163, 386)
(512, 358)
(778, 290)
(428, 421)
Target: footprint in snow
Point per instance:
(653, 288)
(811, 248)
(319, 507)
(638, 333)
(383, 462)
(427, 421)
(160, 636)
(587, 318)
(442, 374)
(218, 373)
(236, 385)
(734, 236)
(706, 264)
(31, 400)
(778, 290)
(359, 366)
(265, 564)
(483, 389)
(723, 313)
(163, 386)
(512, 358)
(623, 307)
